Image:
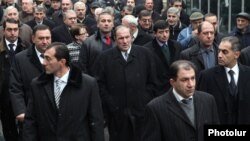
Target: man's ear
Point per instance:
(172, 81)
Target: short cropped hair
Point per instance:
(234, 41)
(180, 64)
(11, 20)
(61, 50)
(160, 24)
(40, 27)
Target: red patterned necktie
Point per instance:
(108, 41)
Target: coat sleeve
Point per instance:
(83, 58)
(152, 81)
(30, 121)
(95, 115)
(151, 126)
(16, 89)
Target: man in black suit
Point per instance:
(229, 83)
(27, 65)
(57, 16)
(97, 43)
(80, 9)
(245, 56)
(139, 36)
(64, 103)
(204, 53)
(181, 113)
(39, 18)
(61, 33)
(127, 80)
(10, 45)
(165, 52)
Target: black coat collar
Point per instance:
(75, 77)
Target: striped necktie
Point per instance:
(57, 92)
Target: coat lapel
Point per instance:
(242, 78)
(50, 93)
(221, 81)
(34, 59)
(176, 108)
(198, 106)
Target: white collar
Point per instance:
(128, 51)
(178, 97)
(7, 42)
(235, 68)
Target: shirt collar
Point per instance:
(135, 34)
(38, 53)
(178, 97)
(128, 51)
(160, 43)
(235, 68)
(7, 42)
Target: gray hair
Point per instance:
(79, 4)
(130, 19)
(8, 9)
(174, 10)
(65, 14)
(234, 41)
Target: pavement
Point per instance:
(105, 133)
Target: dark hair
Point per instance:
(234, 41)
(61, 50)
(144, 13)
(180, 64)
(40, 27)
(209, 15)
(10, 20)
(75, 29)
(160, 24)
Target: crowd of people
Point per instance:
(122, 70)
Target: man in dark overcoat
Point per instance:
(127, 80)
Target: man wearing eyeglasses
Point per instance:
(79, 34)
(145, 22)
(61, 33)
(9, 46)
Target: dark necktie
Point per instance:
(232, 84)
(209, 58)
(11, 46)
(186, 101)
(166, 53)
(108, 40)
(11, 52)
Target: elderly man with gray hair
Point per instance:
(175, 25)
(139, 37)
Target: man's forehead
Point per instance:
(43, 33)
(12, 11)
(11, 24)
(105, 16)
